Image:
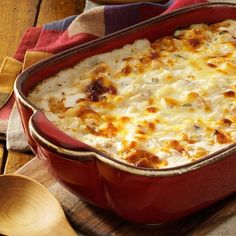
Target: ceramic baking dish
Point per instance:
(137, 194)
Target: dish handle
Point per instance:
(46, 134)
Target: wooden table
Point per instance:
(16, 16)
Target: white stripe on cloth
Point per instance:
(91, 21)
(15, 136)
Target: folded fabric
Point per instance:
(41, 42)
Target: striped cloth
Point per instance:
(39, 43)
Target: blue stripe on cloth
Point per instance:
(167, 5)
(118, 17)
(60, 25)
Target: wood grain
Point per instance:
(15, 160)
(51, 10)
(16, 16)
(216, 220)
(2, 162)
(42, 217)
(42, 174)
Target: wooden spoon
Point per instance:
(28, 208)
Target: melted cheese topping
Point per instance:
(152, 104)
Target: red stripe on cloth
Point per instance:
(48, 37)
(147, 12)
(28, 41)
(62, 43)
(183, 3)
(6, 110)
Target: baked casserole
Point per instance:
(153, 104)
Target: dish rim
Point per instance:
(81, 155)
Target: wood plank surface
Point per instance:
(42, 174)
(16, 16)
(15, 160)
(2, 161)
(216, 220)
(51, 10)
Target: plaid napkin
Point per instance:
(39, 43)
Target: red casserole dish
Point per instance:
(137, 194)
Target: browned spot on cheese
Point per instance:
(152, 109)
(128, 145)
(150, 101)
(109, 131)
(87, 113)
(92, 130)
(157, 121)
(192, 96)
(171, 102)
(194, 42)
(96, 89)
(141, 68)
(145, 59)
(229, 93)
(221, 137)
(142, 137)
(211, 65)
(154, 55)
(140, 131)
(188, 139)
(127, 59)
(225, 122)
(127, 70)
(132, 144)
(151, 126)
(56, 106)
(168, 44)
(175, 144)
(125, 118)
(100, 69)
(109, 118)
(105, 104)
(156, 45)
(149, 57)
(142, 158)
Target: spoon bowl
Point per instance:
(28, 208)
